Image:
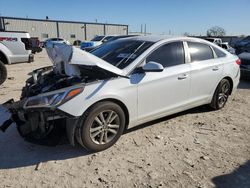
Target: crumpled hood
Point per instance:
(66, 59)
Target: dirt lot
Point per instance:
(196, 148)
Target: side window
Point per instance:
(168, 55)
(199, 51)
(218, 52)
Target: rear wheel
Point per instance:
(102, 126)
(3, 72)
(221, 95)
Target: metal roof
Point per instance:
(61, 21)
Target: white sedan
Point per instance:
(122, 84)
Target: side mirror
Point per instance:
(152, 67)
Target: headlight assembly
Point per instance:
(51, 99)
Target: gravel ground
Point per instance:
(196, 148)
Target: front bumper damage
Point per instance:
(39, 124)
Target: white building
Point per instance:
(69, 30)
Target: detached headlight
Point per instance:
(51, 100)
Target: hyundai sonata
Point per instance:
(121, 84)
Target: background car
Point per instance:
(35, 45)
(56, 40)
(96, 41)
(15, 47)
(217, 41)
(245, 65)
(243, 45)
(88, 49)
(77, 43)
(227, 47)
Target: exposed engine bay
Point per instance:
(36, 115)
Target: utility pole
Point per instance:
(145, 29)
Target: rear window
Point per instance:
(200, 52)
(218, 52)
(121, 53)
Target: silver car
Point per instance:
(124, 83)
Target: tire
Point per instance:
(3, 73)
(221, 94)
(103, 135)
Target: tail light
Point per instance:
(238, 62)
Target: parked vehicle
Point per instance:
(88, 49)
(217, 41)
(227, 47)
(77, 43)
(15, 47)
(35, 45)
(122, 84)
(96, 41)
(55, 41)
(245, 65)
(243, 45)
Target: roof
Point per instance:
(152, 38)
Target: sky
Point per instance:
(160, 16)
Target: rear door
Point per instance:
(206, 71)
(161, 92)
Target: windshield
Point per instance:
(122, 52)
(97, 38)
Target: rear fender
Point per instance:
(6, 52)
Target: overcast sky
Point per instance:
(161, 16)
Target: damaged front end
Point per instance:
(36, 114)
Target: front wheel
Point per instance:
(221, 95)
(102, 126)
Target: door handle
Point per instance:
(182, 77)
(215, 68)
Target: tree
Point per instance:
(216, 31)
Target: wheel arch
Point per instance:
(73, 131)
(3, 58)
(118, 102)
(231, 83)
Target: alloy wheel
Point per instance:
(223, 94)
(104, 127)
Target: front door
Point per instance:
(163, 92)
